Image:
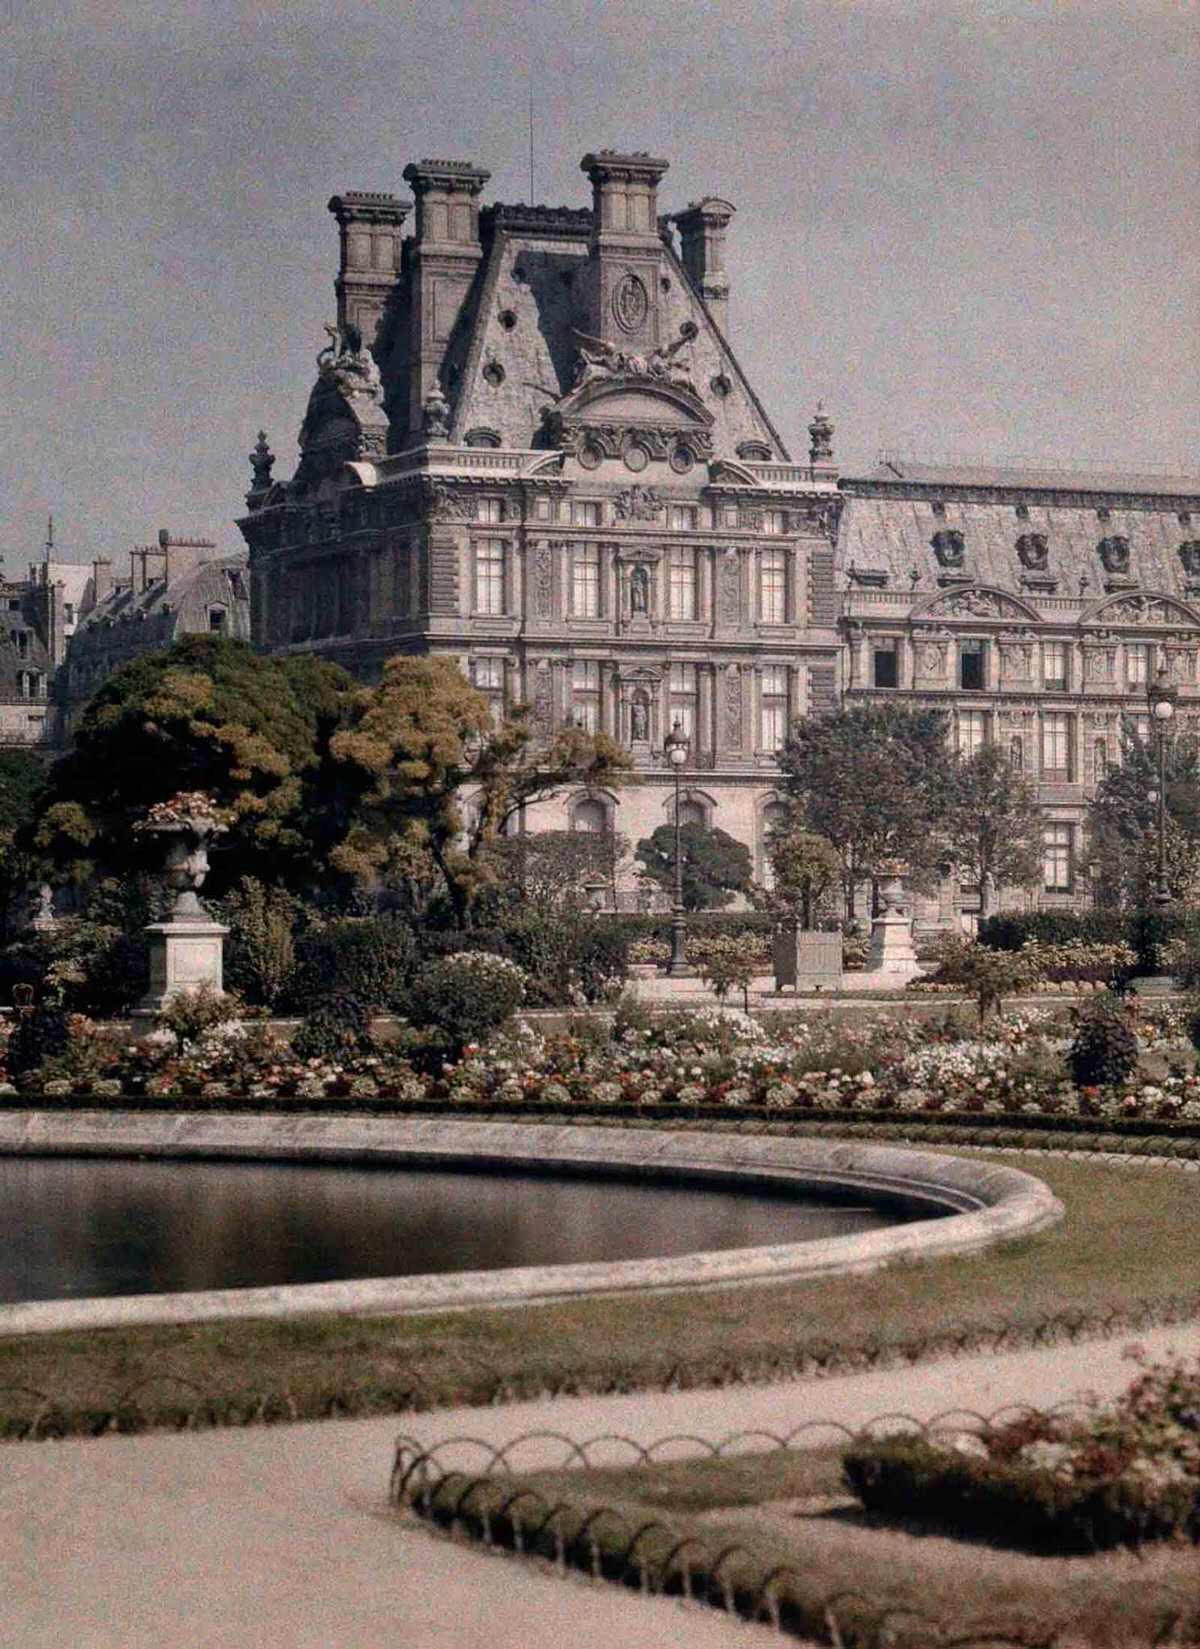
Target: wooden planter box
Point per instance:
(807, 960)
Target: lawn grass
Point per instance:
(883, 1585)
(1129, 1239)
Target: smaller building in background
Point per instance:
(41, 613)
(176, 587)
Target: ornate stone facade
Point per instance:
(546, 462)
(1055, 598)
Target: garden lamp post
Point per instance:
(1162, 707)
(676, 747)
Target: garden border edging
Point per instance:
(985, 1203)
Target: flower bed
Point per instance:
(708, 1062)
(1117, 1477)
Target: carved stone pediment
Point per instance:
(976, 601)
(1144, 607)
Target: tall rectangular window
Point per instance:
(772, 587)
(489, 575)
(684, 517)
(884, 668)
(972, 666)
(585, 694)
(774, 706)
(1137, 664)
(487, 677)
(585, 514)
(774, 521)
(972, 732)
(1056, 857)
(683, 583)
(1056, 745)
(1054, 666)
(585, 581)
(684, 691)
(489, 510)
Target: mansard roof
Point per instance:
(518, 353)
(898, 471)
(1036, 542)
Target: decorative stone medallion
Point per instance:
(630, 303)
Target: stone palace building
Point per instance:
(530, 447)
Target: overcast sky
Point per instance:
(970, 227)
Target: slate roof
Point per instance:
(522, 322)
(1064, 479)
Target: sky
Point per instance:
(970, 227)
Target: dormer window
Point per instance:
(218, 618)
(754, 452)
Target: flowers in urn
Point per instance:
(188, 821)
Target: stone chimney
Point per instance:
(702, 229)
(102, 579)
(443, 258)
(369, 228)
(620, 297)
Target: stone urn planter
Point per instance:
(892, 949)
(187, 950)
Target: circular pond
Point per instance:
(89, 1228)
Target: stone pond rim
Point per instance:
(972, 1205)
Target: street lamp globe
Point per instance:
(676, 746)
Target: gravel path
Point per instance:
(281, 1536)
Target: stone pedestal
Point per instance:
(892, 949)
(184, 956)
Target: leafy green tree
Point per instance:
(805, 867)
(427, 765)
(22, 781)
(992, 825)
(874, 781)
(553, 869)
(1123, 822)
(715, 865)
(212, 715)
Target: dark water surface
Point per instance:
(78, 1228)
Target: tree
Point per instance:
(207, 714)
(992, 825)
(1123, 822)
(715, 865)
(427, 764)
(805, 867)
(873, 780)
(554, 868)
(22, 781)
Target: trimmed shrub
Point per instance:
(39, 1034)
(1104, 1048)
(1053, 927)
(337, 1026)
(1014, 1503)
(370, 958)
(466, 996)
(189, 1014)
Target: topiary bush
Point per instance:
(1009, 931)
(338, 1026)
(371, 958)
(466, 996)
(1104, 1048)
(39, 1034)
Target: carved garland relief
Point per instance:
(733, 707)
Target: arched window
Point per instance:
(692, 812)
(589, 815)
(774, 816)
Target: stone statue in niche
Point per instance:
(949, 547)
(1033, 551)
(639, 590)
(1189, 555)
(639, 720)
(1114, 554)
